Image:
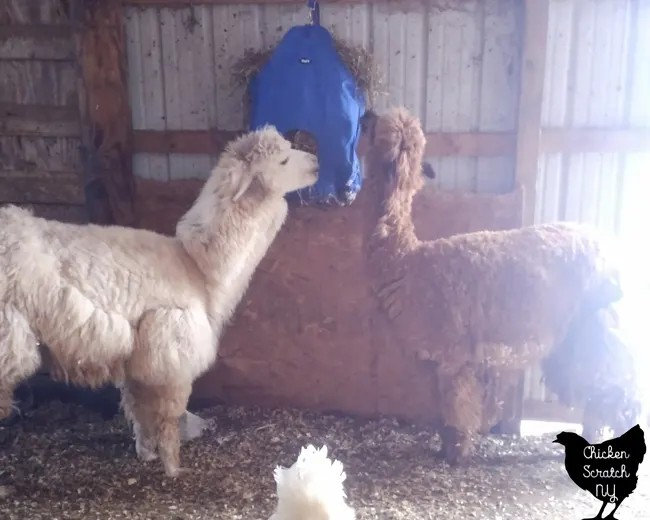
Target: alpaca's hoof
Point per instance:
(145, 454)
(174, 472)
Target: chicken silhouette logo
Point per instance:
(607, 470)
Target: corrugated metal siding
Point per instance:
(455, 63)
(598, 75)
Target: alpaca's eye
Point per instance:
(283, 163)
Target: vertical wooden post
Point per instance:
(107, 116)
(531, 95)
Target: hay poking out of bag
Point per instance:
(358, 60)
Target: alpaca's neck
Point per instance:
(395, 226)
(228, 245)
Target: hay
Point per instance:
(65, 463)
(358, 60)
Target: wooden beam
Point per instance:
(179, 4)
(213, 141)
(39, 120)
(531, 93)
(551, 412)
(37, 42)
(42, 188)
(590, 140)
(106, 115)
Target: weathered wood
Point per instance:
(577, 140)
(103, 95)
(46, 188)
(37, 42)
(27, 154)
(531, 92)
(35, 120)
(183, 3)
(213, 141)
(39, 11)
(529, 130)
(38, 82)
(61, 212)
(480, 144)
(550, 412)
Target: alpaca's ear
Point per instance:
(428, 170)
(367, 122)
(240, 181)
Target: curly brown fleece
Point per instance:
(495, 300)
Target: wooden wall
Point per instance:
(40, 130)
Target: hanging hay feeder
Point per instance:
(359, 61)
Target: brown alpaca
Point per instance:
(473, 305)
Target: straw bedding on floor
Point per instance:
(65, 463)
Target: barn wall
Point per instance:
(40, 131)
(455, 64)
(598, 76)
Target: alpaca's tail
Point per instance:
(311, 489)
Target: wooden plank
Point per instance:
(46, 188)
(14, 12)
(40, 154)
(464, 144)
(536, 21)
(595, 140)
(213, 141)
(550, 412)
(184, 3)
(62, 212)
(37, 42)
(104, 105)
(38, 82)
(35, 120)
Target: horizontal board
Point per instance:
(40, 154)
(75, 214)
(213, 141)
(38, 42)
(38, 120)
(55, 189)
(39, 82)
(40, 11)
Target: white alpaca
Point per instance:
(137, 308)
(311, 489)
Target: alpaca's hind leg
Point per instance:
(461, 410)
(19, 356)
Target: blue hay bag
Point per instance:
(304, 85)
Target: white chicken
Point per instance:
(311, 489)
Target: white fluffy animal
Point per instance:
(312, 489)
(137, 308)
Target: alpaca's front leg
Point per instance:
(461, 410)
(171, 404)
(143, 421)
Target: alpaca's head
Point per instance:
(264, 160)
(312, 489)
(393, 145)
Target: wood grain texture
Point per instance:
(104, 105)
(27, 154)
(531, 93)
(39, 120)
(39, 11)
(42, 188)
(37, 42)
(38, 82)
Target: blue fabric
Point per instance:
(305, 86)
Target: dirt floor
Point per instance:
(65, 463)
